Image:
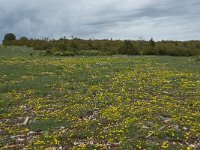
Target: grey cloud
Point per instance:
(169, 19)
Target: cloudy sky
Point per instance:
(117, 19)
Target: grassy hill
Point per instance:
(116, 102)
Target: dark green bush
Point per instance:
(9, 38)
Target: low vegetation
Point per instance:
(76, 46)
(101, 102)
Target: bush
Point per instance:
(8, 38)
(75, 46)
(58, 53)
(128, 48)
(91, 53)
(197, 58)
(150, 51)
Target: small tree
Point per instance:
(8, 38)
(152, 42)
(151, 48)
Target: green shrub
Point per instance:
(76, 46)
(128, 48)
(68, 53)
(58, 53)
(150, 51)
(197, 58)
(91, 53)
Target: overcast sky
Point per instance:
(117, 19)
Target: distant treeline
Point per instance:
(77, 46)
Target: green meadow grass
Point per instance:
(108, 102)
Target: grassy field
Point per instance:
(110, 102)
